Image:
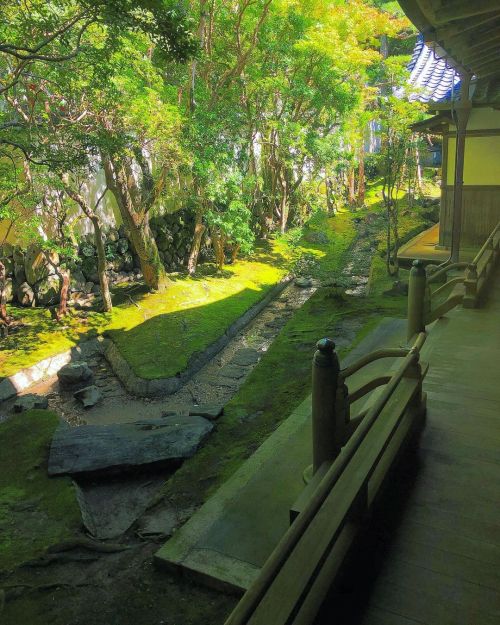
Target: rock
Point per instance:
(30, 402)
(74, 373)
(319, 238)
(122, 246)
(77, 280)
(88, 250)
(233, 371)
(89, 269)
(113, 235)
(89, 396)
(25, 295)
(19, 274)
(6, 250)
(39, 264)
(245, 357)
(398, 288)
(9, 265)
(8, 291)
(110, 506)
(48, 291)
(91, 448)
(209, 411)
(122, 231)
(303, 282)
(95, 289)
(18, 256)
(88, 287)
(128, 262)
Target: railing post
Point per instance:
(417, 299)
(327, 440)
(470, 284)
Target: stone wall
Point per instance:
(32, 278)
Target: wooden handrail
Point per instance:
(435, 277)
(484, 247)
(254, 595)
(396, 352)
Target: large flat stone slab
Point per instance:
(92, 448)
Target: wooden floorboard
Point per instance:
(440, 559)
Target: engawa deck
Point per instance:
(434, 550)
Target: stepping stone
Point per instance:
(208, 411)
(74, 373)
(89, 396)
(110, 506)
(30, 402)
(91, 448)
(234, 372)
(303, 283)
(246, 357)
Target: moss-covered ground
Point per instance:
(157, 333)
(35, 511)
(129, 590)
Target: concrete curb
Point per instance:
(160, 387)
(20, 381)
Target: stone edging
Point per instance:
(142, 387)
(20, 381)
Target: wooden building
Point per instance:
(466, 37)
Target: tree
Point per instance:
(107, 100)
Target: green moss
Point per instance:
(157, 333)
(35, 511)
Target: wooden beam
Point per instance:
(481, 57)
(480, 39)
(487, 65)
(445, 33)
(462, 9)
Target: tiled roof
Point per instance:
(432, 78)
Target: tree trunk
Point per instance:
(218, 245)
(107, 304)
(351, 192)
(234, 252)
(199, 230)
(62, 310)
(137, 224)
(283, 203)
(361, 176)
(4, 318)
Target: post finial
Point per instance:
(325, 346)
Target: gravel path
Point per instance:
(215, 384)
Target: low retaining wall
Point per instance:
(22, 380)
(142, 387)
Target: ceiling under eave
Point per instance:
(467, 33)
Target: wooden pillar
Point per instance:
(462, 113)
(325, 378)
(417, 296)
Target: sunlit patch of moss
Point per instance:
(188, 316)
(35, 511)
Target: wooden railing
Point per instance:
(424, 306)
(351, 458)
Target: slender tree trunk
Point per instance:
(199, 230)
(351, 191)
(234, 252)
(283, 203)
(62, 309)
(361, 176)
(218, 245)
(107, 304)
(137, 224)
(4, 318)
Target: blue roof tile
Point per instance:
(432, 78)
